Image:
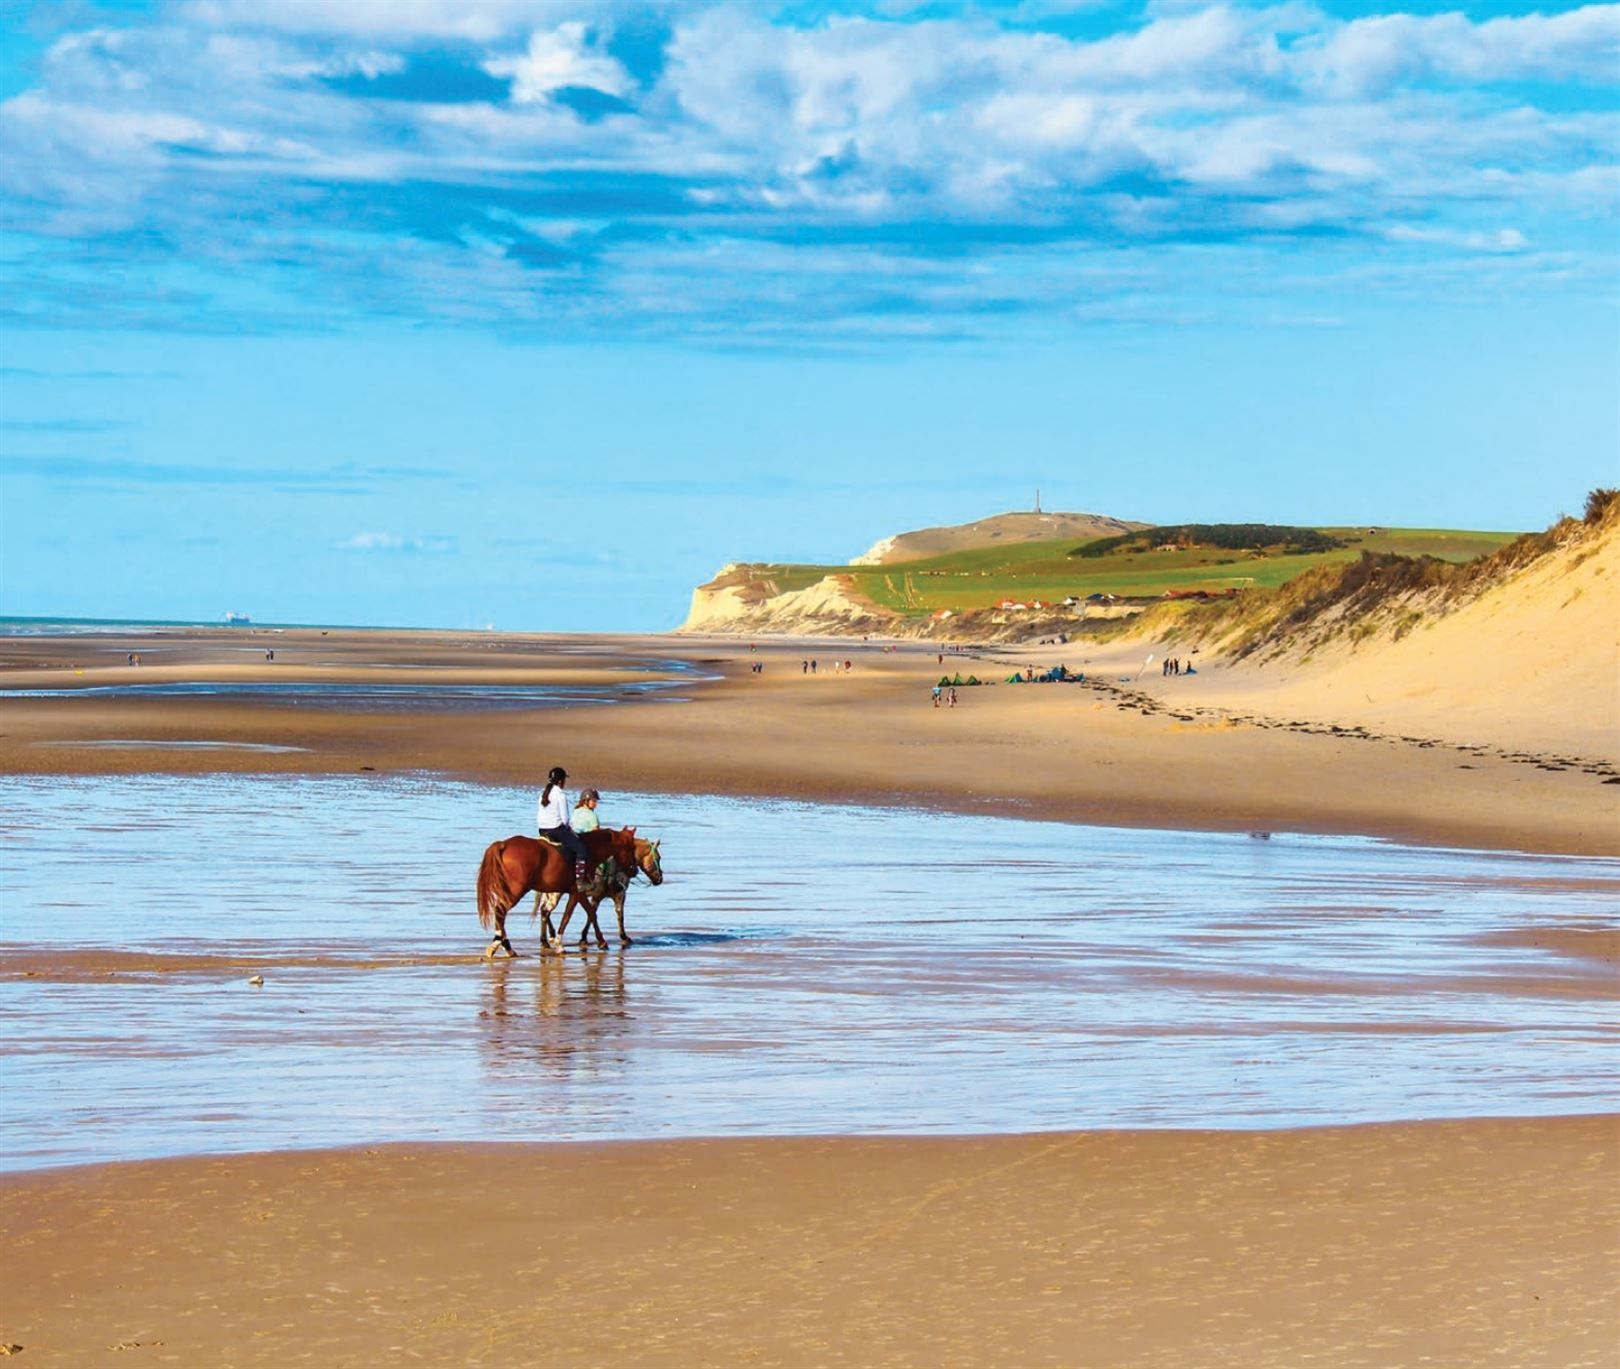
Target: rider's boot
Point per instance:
(597, 884)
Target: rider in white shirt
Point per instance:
(553, 821)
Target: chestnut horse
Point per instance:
(647, 863)
(513, 867)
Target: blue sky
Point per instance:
(452, 312)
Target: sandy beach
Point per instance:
(1476, 1243)
(1217, 751)
(1461, 1242)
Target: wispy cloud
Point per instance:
(342, 478)
(393, 543)
(723, 174)
(64, 426)
(36, 373)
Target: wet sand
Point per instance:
(1473, 1243)
(1109, 753)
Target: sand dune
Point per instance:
(1532, 663)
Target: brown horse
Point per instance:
(646, 863)
(513, 867)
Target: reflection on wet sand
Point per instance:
(564, 1014)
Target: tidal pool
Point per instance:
(805, 968)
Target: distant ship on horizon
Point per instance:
(235, 619)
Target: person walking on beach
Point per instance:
(937, 692)
(554, 820)
(953, 696)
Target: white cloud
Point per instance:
(558, 58)
(1496, 240)
(1381, 50)
(473, 20)
(221, 137)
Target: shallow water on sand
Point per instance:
(804, 969)
(372, 696)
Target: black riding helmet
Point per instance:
(557, 776)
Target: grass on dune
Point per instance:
(984, 576)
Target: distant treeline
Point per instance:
(1226, 536)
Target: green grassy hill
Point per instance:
(1049, 571)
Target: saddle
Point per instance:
(606, 872)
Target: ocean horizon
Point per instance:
(22, 625)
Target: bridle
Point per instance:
(637, 870)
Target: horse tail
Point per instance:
(493, 899)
